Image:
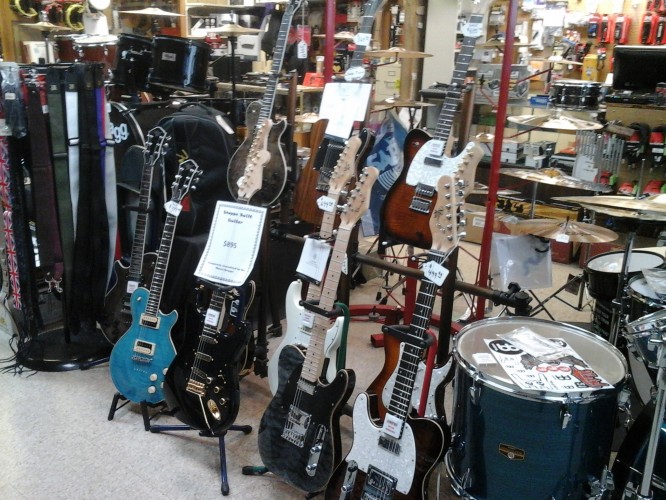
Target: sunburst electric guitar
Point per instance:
(394, 459)
(299, 435)
(141, 357)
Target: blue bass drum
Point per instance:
(510, 442)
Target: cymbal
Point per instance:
(483, 189)
(400, 103)
(554, 122)
(397, 52)
(232, 29)
(623, 214)
(307, 118)
(655, 204)
(151, 11)
(341, 35)
(485, 137)
(565, 231)
(555, 177)
(45, 26)
(556, 60)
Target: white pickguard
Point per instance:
(366, 451)
(419, 172)
(298, 334)
(436, 378)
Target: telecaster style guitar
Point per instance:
(257, 114)
(313, 180)
(202, 383)
(409, 203)
(141, 357)
(299, 433)
(394, 460)
(298, 333)
(117, 316)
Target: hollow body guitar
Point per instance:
(395, 459)
(141, 357)
(299, 434)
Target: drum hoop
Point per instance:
(619, 252)
(133, 122)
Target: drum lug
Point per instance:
(475, 389)
(565, 416)
(624, 406)
(600, 487)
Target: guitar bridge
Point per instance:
(195, 387)
(378, 484)
(296, 427)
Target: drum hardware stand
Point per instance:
(617, 319)
(602, 488)
(573, 280)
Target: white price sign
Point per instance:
(173, 207)
(435, 272)
(314, 259)
(326, 203)
(212, 317)
(131, 286)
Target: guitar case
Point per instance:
(207, 136)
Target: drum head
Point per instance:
(611, 262)
(639, 289)
(601, 356)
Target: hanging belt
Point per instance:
(72, 117)
(12, 263)
(46, 218)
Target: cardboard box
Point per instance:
(511, 146)
(475, 221)
(511, 157)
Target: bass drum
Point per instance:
(134, 57)
(630, 461)
(603, 271)
(65, 48)
(126, 132)
(98, 48)
(509, 442)
(179, 64)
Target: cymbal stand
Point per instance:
(644, 492)
(618, 316)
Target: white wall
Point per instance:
(440, 40)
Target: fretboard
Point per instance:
(157, 285)
(139, 241)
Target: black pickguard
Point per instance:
(284, 458)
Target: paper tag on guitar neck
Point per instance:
(345, 266)
(307, 319)
(362, 39)
(173, 207)
(131, 286)
(212, 317)
(314, 258)
(326, 203)
(435, 272)
(392, 426)
(473, 30)
(562, 238)
(435, 147)
(302, 50)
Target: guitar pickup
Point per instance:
(203, 357)
(143, 347)
(432, 162)
(425, 190)
(150, 321)
(420, 205)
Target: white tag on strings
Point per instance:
(302, 50)
(314, 259)
(435, 272)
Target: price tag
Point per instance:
(45, 109)
(392, 425)
(473, 30)
(562, 238)
(327, 204)
(345, 266)
(173, 207)
(10, 96)
(302, 50)
(5, 130)
(484, 358)
(435, 147)
(435, 272)
(314, 259)
(307, 319)
(363, 39)
(212, 317)
(355, 73)
(131, 286)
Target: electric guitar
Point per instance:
(395, 459)
(298, 333)
(409, 203)
(257, 114)
(202, 383)
(117, 316)
(313, 179)
(299, 433)
(141, 357)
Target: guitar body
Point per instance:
(285, 458)
(274, 170)
(298, 334)
(217, 409)
(117, 316)
(305, 193)
(142, 355)
(391, 358)
(386, 474)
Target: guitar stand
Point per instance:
(117, 398)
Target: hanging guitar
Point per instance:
(143, 354)
(257, 114)
(313, 179)
(299, 433)
(394, 460)
(409, 203)
(117, 316)
(298, 333)
(202, 383)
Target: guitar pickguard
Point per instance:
(427, 169)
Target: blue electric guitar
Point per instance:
(141, 357)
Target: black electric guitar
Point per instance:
(409, 203)
(117, 316)
(299, 435)
(202, 383)
(257, 114)
(141, 357)
(313, 180)
(395, 459)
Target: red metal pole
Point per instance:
(493, 179)
(329, 41)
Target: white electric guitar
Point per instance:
(299, 324)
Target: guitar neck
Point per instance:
(139, 240)
(157, 285)
(364, 28)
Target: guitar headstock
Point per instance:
(253, 175)
(345, 168)
(476, 9)
(155, 140)
(185, 180)
(359, 199)
(293, 6)
(444, 219)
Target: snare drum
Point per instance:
(643, 300)
(603, 270)
(134, 56)
(514, 443)
(98, 48)
(575, 94)
(179, 63)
